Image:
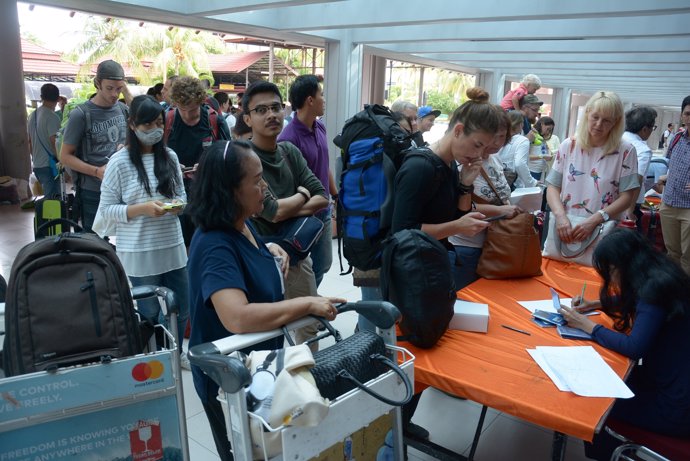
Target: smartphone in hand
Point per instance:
(495, 218)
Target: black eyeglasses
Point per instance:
(262, 110)
(653, 127)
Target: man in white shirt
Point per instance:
(639, 126)
(663, 142)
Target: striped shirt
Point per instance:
(145, 245)
(677, 189)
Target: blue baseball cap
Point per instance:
(425, 111)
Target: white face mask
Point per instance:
(149, 138)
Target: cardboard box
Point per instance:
(470, 317)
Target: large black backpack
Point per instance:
(416, 277)
(68, 302)
(373, 146)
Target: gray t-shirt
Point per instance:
(108, 130)
(43, 123)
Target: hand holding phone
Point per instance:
(495, 218)
(173, 205)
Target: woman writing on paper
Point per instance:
(594, 175)
(648, 297)
(235, 284)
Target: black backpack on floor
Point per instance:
(416, 277)
(68, 302)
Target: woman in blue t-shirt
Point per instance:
(648, 297)
(235, 280)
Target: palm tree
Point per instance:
(108, 38)
(179, 51)
(454, 84)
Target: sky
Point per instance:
(52, 26)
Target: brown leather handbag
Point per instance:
(512, 247)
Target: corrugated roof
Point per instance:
(234, 63)
(39, 60)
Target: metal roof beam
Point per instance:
(538, 57)
(387, 13)
(544, 30)
(594, 46)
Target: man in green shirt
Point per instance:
(293, 190)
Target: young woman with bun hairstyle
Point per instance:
(432, 195)
(444, 209)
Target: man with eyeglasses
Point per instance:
(639, 126)
(529, 107)
(293, 190)
(409, 111)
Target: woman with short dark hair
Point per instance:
(648, 297)
(235, 280)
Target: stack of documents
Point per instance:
(580, 370)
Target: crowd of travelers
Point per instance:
(193, 187)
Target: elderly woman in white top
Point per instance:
(515, 154)
(142, 193)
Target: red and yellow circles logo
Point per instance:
(147, 370)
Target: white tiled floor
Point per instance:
(450, 421)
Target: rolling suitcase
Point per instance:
(651, 227)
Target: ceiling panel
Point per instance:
(639, 48)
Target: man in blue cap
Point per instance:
(426, 115)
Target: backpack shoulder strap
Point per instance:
(438, 163)
(213, 122)
(86, 146)
(672, 144)
(169, 120)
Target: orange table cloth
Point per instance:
(494, 369)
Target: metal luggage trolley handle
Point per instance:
(347, 413)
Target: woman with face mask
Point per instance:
(142, 193)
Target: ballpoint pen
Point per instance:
(517, 329)
(582, 295)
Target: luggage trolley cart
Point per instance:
(129, 408)
(347, 414)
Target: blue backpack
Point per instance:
(373, 146)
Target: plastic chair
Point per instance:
(642, 444)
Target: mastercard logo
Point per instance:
(148, 370)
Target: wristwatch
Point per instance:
(604, 215)
(464, 190)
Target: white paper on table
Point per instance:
(581, 370)
(544, 305)
(537, 356)
(547, 305)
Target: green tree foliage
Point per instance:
(181, 52)
(441, 101)
(176, 51)
(107, 38)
